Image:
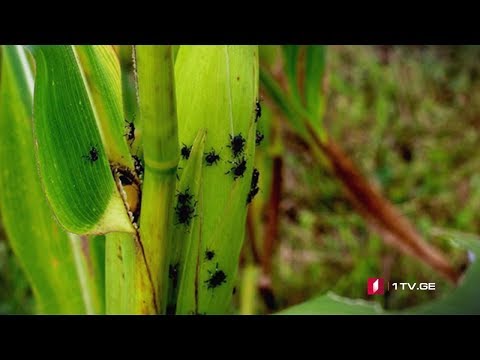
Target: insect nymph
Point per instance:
(217, 278)
(184, 209)
(130, 131)
(237, 143)
(92, 155)
(212, 158)
(238, 168)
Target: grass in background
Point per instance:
(408, 116)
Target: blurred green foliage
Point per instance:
(408, 116)
(15, 293)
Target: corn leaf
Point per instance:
(217, 89)
(74, 164)
(101, 70)
(120, 273)
(185, 249)
(43, 249)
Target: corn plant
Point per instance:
(150, 207)
(124, 196)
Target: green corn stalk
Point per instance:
(156, 93)
(217, 90)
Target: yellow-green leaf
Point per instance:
(73, 162)
(217, 89)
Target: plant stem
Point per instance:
(156, 93)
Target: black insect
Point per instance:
(92, 155)
(253, 186)
(211, 158)
(234, 290)
(259, 138)
(237, 143)
(139, 169)
(185, 198)
(238, 169)
(130, 132)
(176, 173)
(125, 180)
(217, 278)
(209, 254)
(251, 194)
(184, 209)
(185, 151)
(255, 177)
(258, 111)
(173, 274)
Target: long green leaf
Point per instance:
(313, 80)
(73, 163)
(291, 54)
(185, 249)
(217, 89)
(41, 246)
(120, 273)
(101, 69)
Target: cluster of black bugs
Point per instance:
(173, 274)
(92, 155)
(185, 209)
(253, 186)
(130, 132)
(209, 254)
(258, 111)
(212, 157)
(238, 168)
(258, 138)
(185, 151)
(139, 169)
(217, 278)
(237, 144)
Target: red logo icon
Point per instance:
(375, 286)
